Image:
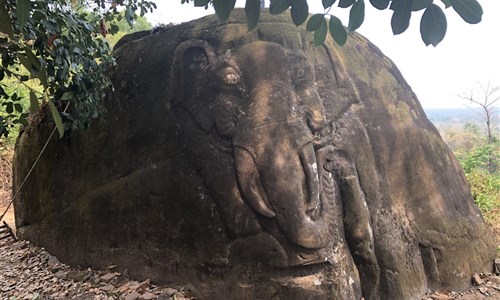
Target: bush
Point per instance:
(485, 188)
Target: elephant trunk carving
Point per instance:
(277, 167)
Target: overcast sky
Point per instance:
(468, 54)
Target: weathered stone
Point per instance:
(476, 279)
(255, 165)
(108, 288)
(497, 266)
(440, 296)
(472, 297)
(78, 275)
(107, 277)
(132, 296)
(494, 279)
(147, 296)
(169, 292)
(59, 274)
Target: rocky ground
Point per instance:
(29, 272)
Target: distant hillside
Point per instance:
(444, 117)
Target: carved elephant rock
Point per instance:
(253, 164)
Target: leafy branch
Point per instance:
(60, 46)
(433, 24)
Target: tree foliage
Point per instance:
(433, 23)
(55, 50)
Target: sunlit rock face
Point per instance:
(251, 165)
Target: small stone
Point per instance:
(476, 279)
(107, 277)
(497, 266)
(145, 284)
(53, 261)
(59, 274)
(494, 279)
(483, 290)
(439, 296)
(471, 297)
(169, 292)
(179, 296)
(123, 289)
(78, 276)
(107, 288)
(132, 296)
(147, 296)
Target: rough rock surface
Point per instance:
(254, 165)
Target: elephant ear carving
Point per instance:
(190, 77)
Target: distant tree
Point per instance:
(487, 97)
(140, 23)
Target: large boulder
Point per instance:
(254, 165)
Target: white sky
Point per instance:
(468, 54)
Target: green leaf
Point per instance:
(9, 107)
(320, 33)
(420, 4)
(380, 4)
(276, 7)
(25, 62)
(67, 96)
(337, 30)
(35, 62)
(23, 11)
(18, 107)
(252, 11)
(447, 3)
(470, 10)
(433, 25)
(42, 76)
(57, 118)
(299, 11)
(401, 17)
(223, 8)
(356, 15)
(315, 22)
(5, 21)
(201, 3)
(346, 3)
(328, 3)
(33, 102)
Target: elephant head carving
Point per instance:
(270, 143)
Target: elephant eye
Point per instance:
(231, 78)
(299, 74)
(302, 76)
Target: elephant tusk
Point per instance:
(250, 182)
(310, 166)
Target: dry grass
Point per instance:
(493, 220)
(6, 154)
